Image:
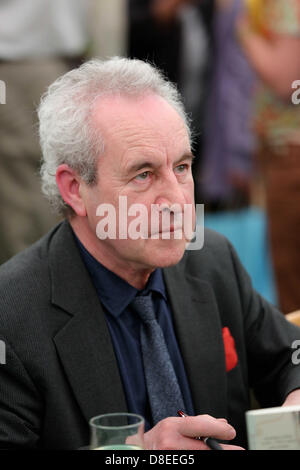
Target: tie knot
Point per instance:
(143, 306)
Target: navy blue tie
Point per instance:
(162, 385)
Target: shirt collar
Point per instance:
(114, 292)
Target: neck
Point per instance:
(133, 273)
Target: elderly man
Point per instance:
(72, 306)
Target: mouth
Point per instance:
(172, 229)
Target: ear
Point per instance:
(68, 183)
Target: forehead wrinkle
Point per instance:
(146, 127)
(139, 140)
(119, 114)
(129, 138)
(146, 137)
(148, 151)
(143, 137)
(132, 132)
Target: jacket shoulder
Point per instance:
(215, 253)
(21, 279)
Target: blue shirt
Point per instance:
(115, 295)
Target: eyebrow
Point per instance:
(137, 166)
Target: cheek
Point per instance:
(189, 212)
(133, 204)
(188, 193)
(89, 202)
(103, 194)
(100, 206)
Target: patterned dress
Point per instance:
(277, 121)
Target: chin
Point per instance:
(164, 256)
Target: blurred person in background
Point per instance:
(154, 33)
(225, 175)
(270, 36)
(175, 35)
(39, 40)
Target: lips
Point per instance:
(167, 230)
(171, 229)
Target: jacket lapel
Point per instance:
(83, 343)
(199, 333)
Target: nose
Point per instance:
(170, 194)
(171, 201)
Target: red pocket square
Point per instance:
(231, 357)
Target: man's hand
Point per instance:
(180, 433)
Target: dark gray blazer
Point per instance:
(60, 365)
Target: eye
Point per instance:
(143, 176)
(182, 168)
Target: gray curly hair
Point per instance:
(65, 111)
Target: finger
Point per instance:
(231, 447)
(177, 442)
(206, 426)
(187, 443)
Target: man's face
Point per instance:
(147, 160)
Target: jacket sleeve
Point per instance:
(20, 403)
(270, 344)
